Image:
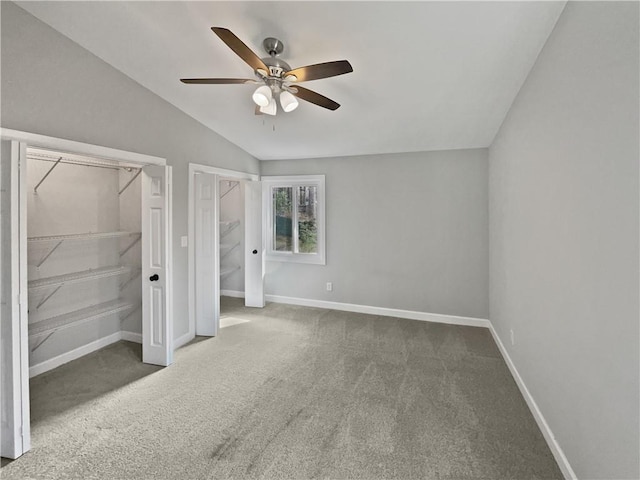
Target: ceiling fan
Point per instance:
(276, 79)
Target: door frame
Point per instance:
(19, 390)
(196, 169)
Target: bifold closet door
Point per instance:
(14, 388)
(254, 246)
(207, 269)
(157, 335)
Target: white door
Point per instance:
(254, 246)
(157, 334)
(207, 286)
(15, 434)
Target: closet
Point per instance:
(83, 255)
(225, 231)
(232, 226)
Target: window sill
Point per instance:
(308, 259)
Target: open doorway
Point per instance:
(225, 245)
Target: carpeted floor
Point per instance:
(293, 392)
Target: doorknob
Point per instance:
(154, 277)
(255, 252)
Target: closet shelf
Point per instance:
(224, 271)
(76, 317)
(78, 277)
(80, 236)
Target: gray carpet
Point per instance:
(293, 393)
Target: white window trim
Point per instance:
(269, 182)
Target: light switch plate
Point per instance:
(184, 241)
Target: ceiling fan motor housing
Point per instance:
(277, 66)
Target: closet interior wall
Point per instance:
(231, 235)
(83, 256)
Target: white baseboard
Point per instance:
(554, 446)
(73, 354)
(96, 345)
(183, 340)
(131, 337)
(387, 312)
(232, 293)
(82, 351)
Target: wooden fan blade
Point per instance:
(313, 97)
(320, 70)
(216, 81)
(244, 52)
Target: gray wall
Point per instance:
(564, 236)
(405, 231)
(54, 87)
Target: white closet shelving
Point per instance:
(80, 236)
(77, 278)
(51, 325)
(60, 239)
(230, 233)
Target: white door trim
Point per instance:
(80, 148)
(194, 169)
(16, 438)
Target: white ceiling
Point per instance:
(427, 75)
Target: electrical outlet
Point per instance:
(513, 338)
(329, 287)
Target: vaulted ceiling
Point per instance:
(427, 75)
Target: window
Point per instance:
(295, 218)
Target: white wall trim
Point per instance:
(232, 293)
(554, 446)
(82, 351)
(86, 149)
(131, 337)
(66, 357)
(387, 312)
(183, 340)
(223, 172)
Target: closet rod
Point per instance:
(76, 162)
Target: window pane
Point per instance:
(282, 213)
(307, 227)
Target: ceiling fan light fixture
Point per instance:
(271, 108)
(262, 96)
(288, 102)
